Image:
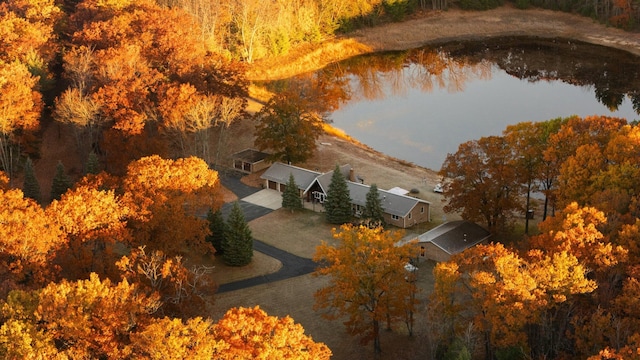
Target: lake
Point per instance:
(419, 105)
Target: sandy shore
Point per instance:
(441, 26)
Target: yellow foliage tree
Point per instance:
(368, 280)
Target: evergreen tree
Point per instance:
(61, 182)
(338, 202)
(218, 228)
(31, 187)
(373, 213)
(238, 242)
(93, 164)
(291, 195)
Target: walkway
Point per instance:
(292, 265)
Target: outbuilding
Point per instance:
(249, 161)
(451, 238)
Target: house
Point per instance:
(448, 239)
(399, 209)
(249, 161)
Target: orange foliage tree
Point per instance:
(481, 182)
(368, 280)
(28, 242)
(249, 333)
(170, 199)
(93, 224)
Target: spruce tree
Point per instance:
(61, 182)
(238, 242)
(338, 202)
(291, 195)
(373, 213)
(31, 187)
(93, 164)
(218, 228)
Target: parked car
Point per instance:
(438, 188)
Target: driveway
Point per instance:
(254, 204)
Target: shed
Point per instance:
(448, 239)
(249, 161)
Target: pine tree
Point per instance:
(291, 195)
(373, 213)
(338, 202)
(218, 229)
(31, 187)
(93, 164)
(61, 182)
(238, 243)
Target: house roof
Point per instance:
(392, 203)
(250, 155)
(325, 179)
(455, 236)
(280, 172)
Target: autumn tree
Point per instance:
(93, 318)
(367, 280)
(288, 126)
(29, 240)
(31, 186)
(526, 140)
(238, 241)
(514, 302)
(167, 198)
(481, 182)
(61, 182)
(20, 106)
(181, 288)
(291, 195)
(337, 205)
(249, 333)
(373, 212)
(217, 229)
(94, 225)
(574, 133)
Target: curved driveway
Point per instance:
(292, 265)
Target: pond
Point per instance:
(419, 105)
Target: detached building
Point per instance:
(249, 161)
(451, 238)
(399, 210)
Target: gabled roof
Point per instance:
(325, 179)
(455, 236)
(392, 203)
(250, 155)
(280, 172)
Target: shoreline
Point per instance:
(441, 26)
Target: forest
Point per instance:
(96, 267)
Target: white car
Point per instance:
(438, 188)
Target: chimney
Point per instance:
(352, 175)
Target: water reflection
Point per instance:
(418, 105)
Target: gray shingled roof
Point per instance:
(455, 236)
(279, 172)
(394, 204)
(325, 179)
(250, 155)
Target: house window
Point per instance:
(395, 217)
(422, 210)
(409, 215)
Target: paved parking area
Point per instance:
(271, 199)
